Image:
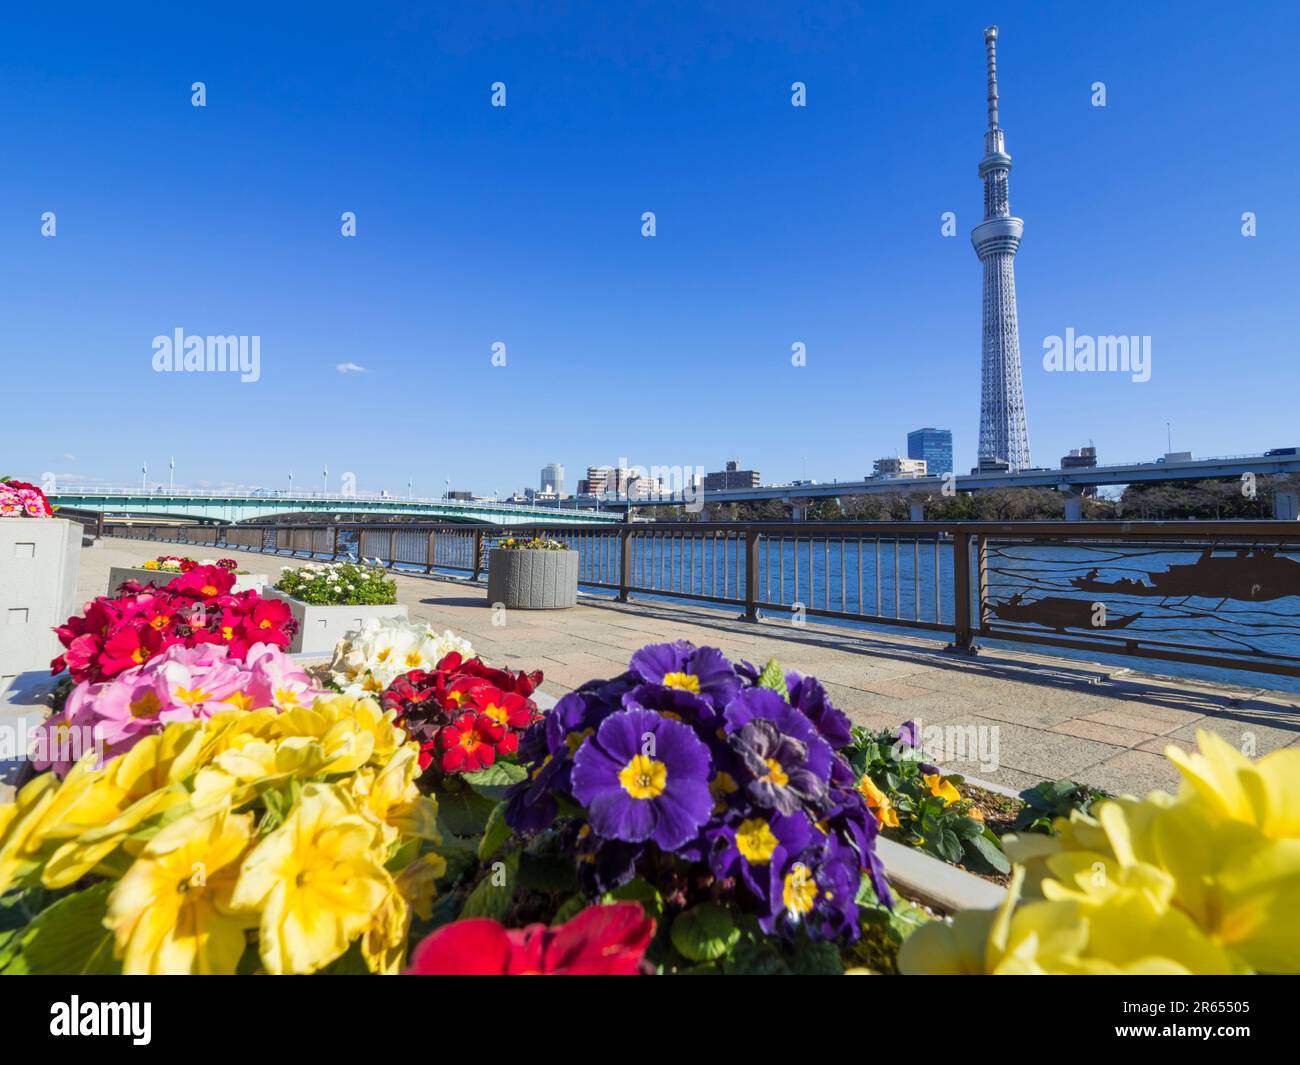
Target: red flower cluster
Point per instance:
(599, 941)
(463, 714)
(187, 564)
(119, 633)
(18, 499)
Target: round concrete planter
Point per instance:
(532, 580)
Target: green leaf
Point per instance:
(773, 679)
(493, 894)
(70, 938)
(638, 889)
(817, 959)
(705, 932)
(464, 812)
(755, 958)
(990, 852)
(948, 846)
(495, 833)
(549, 873)
(497, 775)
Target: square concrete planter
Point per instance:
(321, 627)
(532, 580)
(40, 559)
(159, 578)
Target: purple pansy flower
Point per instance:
(809, 696)
(816, 889)
(909, 733)
(671, 702)
(748, 848)
(778, 765)
(643, 776)
(760, 704)
(702, 671)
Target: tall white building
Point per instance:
(552, 479)
(1004, 436)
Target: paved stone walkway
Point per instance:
(1049, 717)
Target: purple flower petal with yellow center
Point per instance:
(780, 775)
(702, 671)
(644, 777)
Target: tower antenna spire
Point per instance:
(991, 48)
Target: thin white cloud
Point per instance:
(350, 367)
(67, 457)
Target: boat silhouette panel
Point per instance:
(1253, 576)
(1055, 612)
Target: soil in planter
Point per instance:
(1000, 812)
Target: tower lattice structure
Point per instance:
(1004, 435)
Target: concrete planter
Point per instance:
(40, 559)
(158, 578)
(321, 627)
(532, 580)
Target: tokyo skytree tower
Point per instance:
(1004, 437)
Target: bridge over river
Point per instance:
(228, 508)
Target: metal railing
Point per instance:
(1157, 590)
(157, 492)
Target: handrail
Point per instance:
(940, 576)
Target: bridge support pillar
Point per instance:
(1073, 502)
(1286, 506)
(916, 511)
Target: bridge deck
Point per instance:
(1053, 718)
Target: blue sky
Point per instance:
(775, 225)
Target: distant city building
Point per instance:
(459, 496)
(933, 445)
(1079, 458)
(552, 479)
(618, 481)
(899, 467)
(988, 465)
(732, 476)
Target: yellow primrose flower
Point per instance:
(151, 564)
(1225, 853)
(1264, 793)
(316, 881)
(1129, 933)
(878, 802)
(171, 912)
(390, 798)
(351, 731)
(95, 809)
(19, 842)
(941, 787)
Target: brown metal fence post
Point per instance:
(478, 554)
(751, 575)
(392, 549)
(430, 551)
(624, 563)
(961, 636)
(982, 564)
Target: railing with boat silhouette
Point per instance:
(1221, 593)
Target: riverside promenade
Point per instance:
(1044, 718)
